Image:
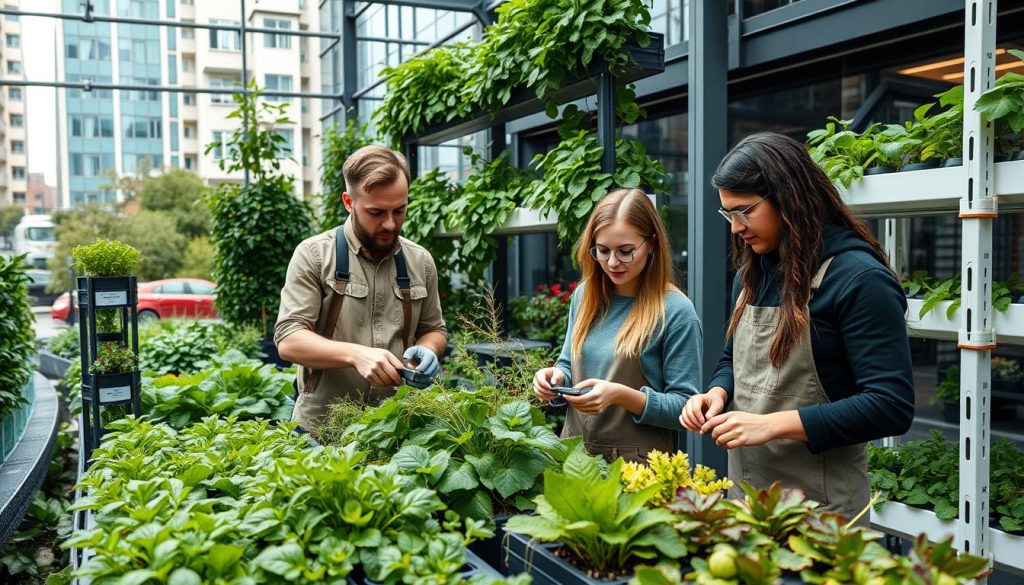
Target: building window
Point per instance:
(90, 165)
(17, 121)
(18, 173)
(92, 127)
(14, 94)
(12, 18)
(187, 65)
(189, 99)
(188, 131)
(186, 33)
(223, 83)
(225, 40)
(220, 143)
(14, 67)
(92, 50)
(141, 127)
(17, 147)
(189, 163)
(285, 148)
(19, 196)
(14, 41)
(278, 83)
(276, 41)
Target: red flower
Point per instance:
(556, 290)
(573, 285)
(565, 297)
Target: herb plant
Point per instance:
(1003, 105)
(597, 520)
(106, 258)
(113, 358)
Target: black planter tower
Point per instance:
(107, 293)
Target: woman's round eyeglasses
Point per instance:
(624, 256)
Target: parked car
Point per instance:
(162, 299)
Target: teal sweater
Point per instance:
(671, 361)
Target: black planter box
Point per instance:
(110, 292)
(474, 566)
(501, 354)
(539, 560)
(114, 388)
(490, 550)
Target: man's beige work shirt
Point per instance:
(371, 314)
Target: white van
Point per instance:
(34, 236)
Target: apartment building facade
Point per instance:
(139, 130)
(13, 115)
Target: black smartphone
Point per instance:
(569, 391)
(416, 378)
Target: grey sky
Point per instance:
(38, 52)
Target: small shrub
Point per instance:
(107, 258)
(17, 336)
(113, 358)
(66, 344)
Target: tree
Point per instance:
(10, 215)
(178, 193)
(255, 226)
(198, 262)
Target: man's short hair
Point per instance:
(371, 167)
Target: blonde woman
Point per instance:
(632, 350)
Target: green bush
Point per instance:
(198, 261)
(180, 347)
(255, 226)
(107, 258)
(66, 344)
(17, 336)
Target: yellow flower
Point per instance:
(670, 473)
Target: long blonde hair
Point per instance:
(648, 312)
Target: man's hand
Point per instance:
(425, 360)
(701, 407)
(379, 366)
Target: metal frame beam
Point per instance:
(707, 243)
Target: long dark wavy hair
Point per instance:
(771, 164)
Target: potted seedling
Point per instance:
(842, 153)
(1003, 106)
(107, 297)
(944, 137)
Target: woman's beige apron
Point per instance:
(838, 478)
(613, 434)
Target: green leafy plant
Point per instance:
(66, 343)
(338, 144)
(479, 448)
(949, 388)
(17, 333)
(113, 358)
(106, 258)
(1003, 105)
(184, 347)
(430, 197)
(545, 315)
(573, 181)
(227, 500)
(943, 290)
(842, 153)
(255, 225)
(917, 283)
(671, 473)
(488, 198)
(591, 514)
(234, 387)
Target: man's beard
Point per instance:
(365, 238)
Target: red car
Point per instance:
(162, 299)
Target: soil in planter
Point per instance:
(567, 555)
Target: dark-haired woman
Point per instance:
(817, 362)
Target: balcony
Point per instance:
(188, 46)
(220, 61)
(187, 12)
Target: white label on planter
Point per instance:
(111, 298)
(115, 394)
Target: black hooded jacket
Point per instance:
(858, 340)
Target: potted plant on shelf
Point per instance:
(107, 295)
(1003, 105)
(947, 393)
(843, 154)
(1007, 376)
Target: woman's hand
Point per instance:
(602, 394)
(701, 407)
(544, 379)
(744, 429)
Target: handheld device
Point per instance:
(415, 377)
(569, 391)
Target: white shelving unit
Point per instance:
(976, 191)
(1009, 326)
